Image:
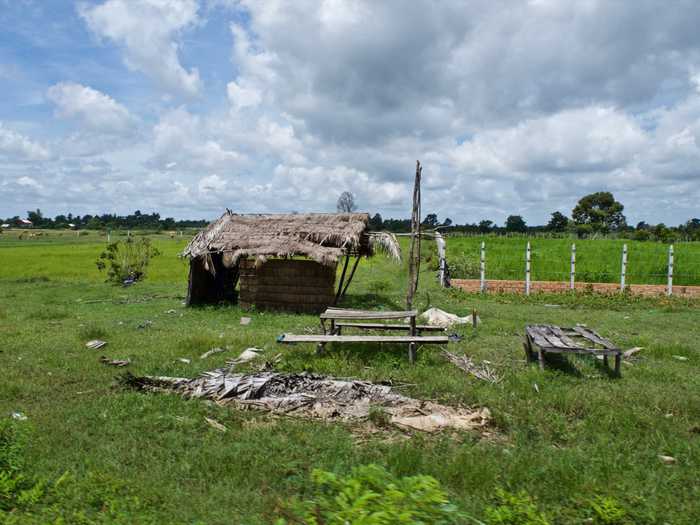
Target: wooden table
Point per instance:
(545, 338)
(341, 318)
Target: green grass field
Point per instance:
(597, 260)
(567, 436)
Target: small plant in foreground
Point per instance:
(127, 261)
(514, 509)
(372, 496)
(607, 511)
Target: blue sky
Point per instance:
(189, 106)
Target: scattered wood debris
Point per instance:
(680, 357)
(95, 344)
(213, 351)
(115, 362)
(247, 355)
(629, 353)
(483, 371)
(215, 424)
(315, 396)
(184, 360)
(245, 320)
(667, 460)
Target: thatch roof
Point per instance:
(323, 237)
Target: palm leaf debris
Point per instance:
(315, 396)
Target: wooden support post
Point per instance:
(482, 277)
(527, 269)
(669, 284)
(342, 279)
(540, 357)
(617, 364)
(109, 236)
(572, 275)
(623, 270)
(414, 253)
(352, 274)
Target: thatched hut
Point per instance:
(286, 262)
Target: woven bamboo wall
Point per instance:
(293, 285)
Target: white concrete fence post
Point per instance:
(669, 285)
(527, 269)
(572, 274)
(623, 270)
(482, 277)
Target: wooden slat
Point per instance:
(361, 314)
(594, 337)
(427, 339)
(564, 338)
(381, 326)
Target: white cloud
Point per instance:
(94, 109)
(242, 97)
(211, 184)
(182, 141)
(148, 31)
(589, 139)
(15, 146)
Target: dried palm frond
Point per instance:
(483, 371)
(386, 243)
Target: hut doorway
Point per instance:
(210, 281)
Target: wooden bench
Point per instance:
(381, 326)
(345, 318)
(545, 338)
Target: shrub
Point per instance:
(514, 509)
(372, 496)
(465, 267)
(126, 261)
(607, 511)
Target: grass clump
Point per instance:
(92, 331)
(370, 495)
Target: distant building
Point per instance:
(5, 226)
(25, 223)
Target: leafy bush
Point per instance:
(16, 490)
(514, 509)
(465, 267)
(126, 261)
(607, 511)
(372, 496)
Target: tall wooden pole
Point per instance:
(414, 254)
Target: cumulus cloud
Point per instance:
(512, 107)
(97, 111)
(148, 31)
(16, 146)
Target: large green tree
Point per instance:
(599, 212)
(558, 222)
(515, 223)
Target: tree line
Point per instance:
(107, 221)
(594, 215)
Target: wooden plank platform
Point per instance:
(577, 340)
(381, 326)
(425, 339)
(339, 313)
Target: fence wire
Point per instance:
(597, 261)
